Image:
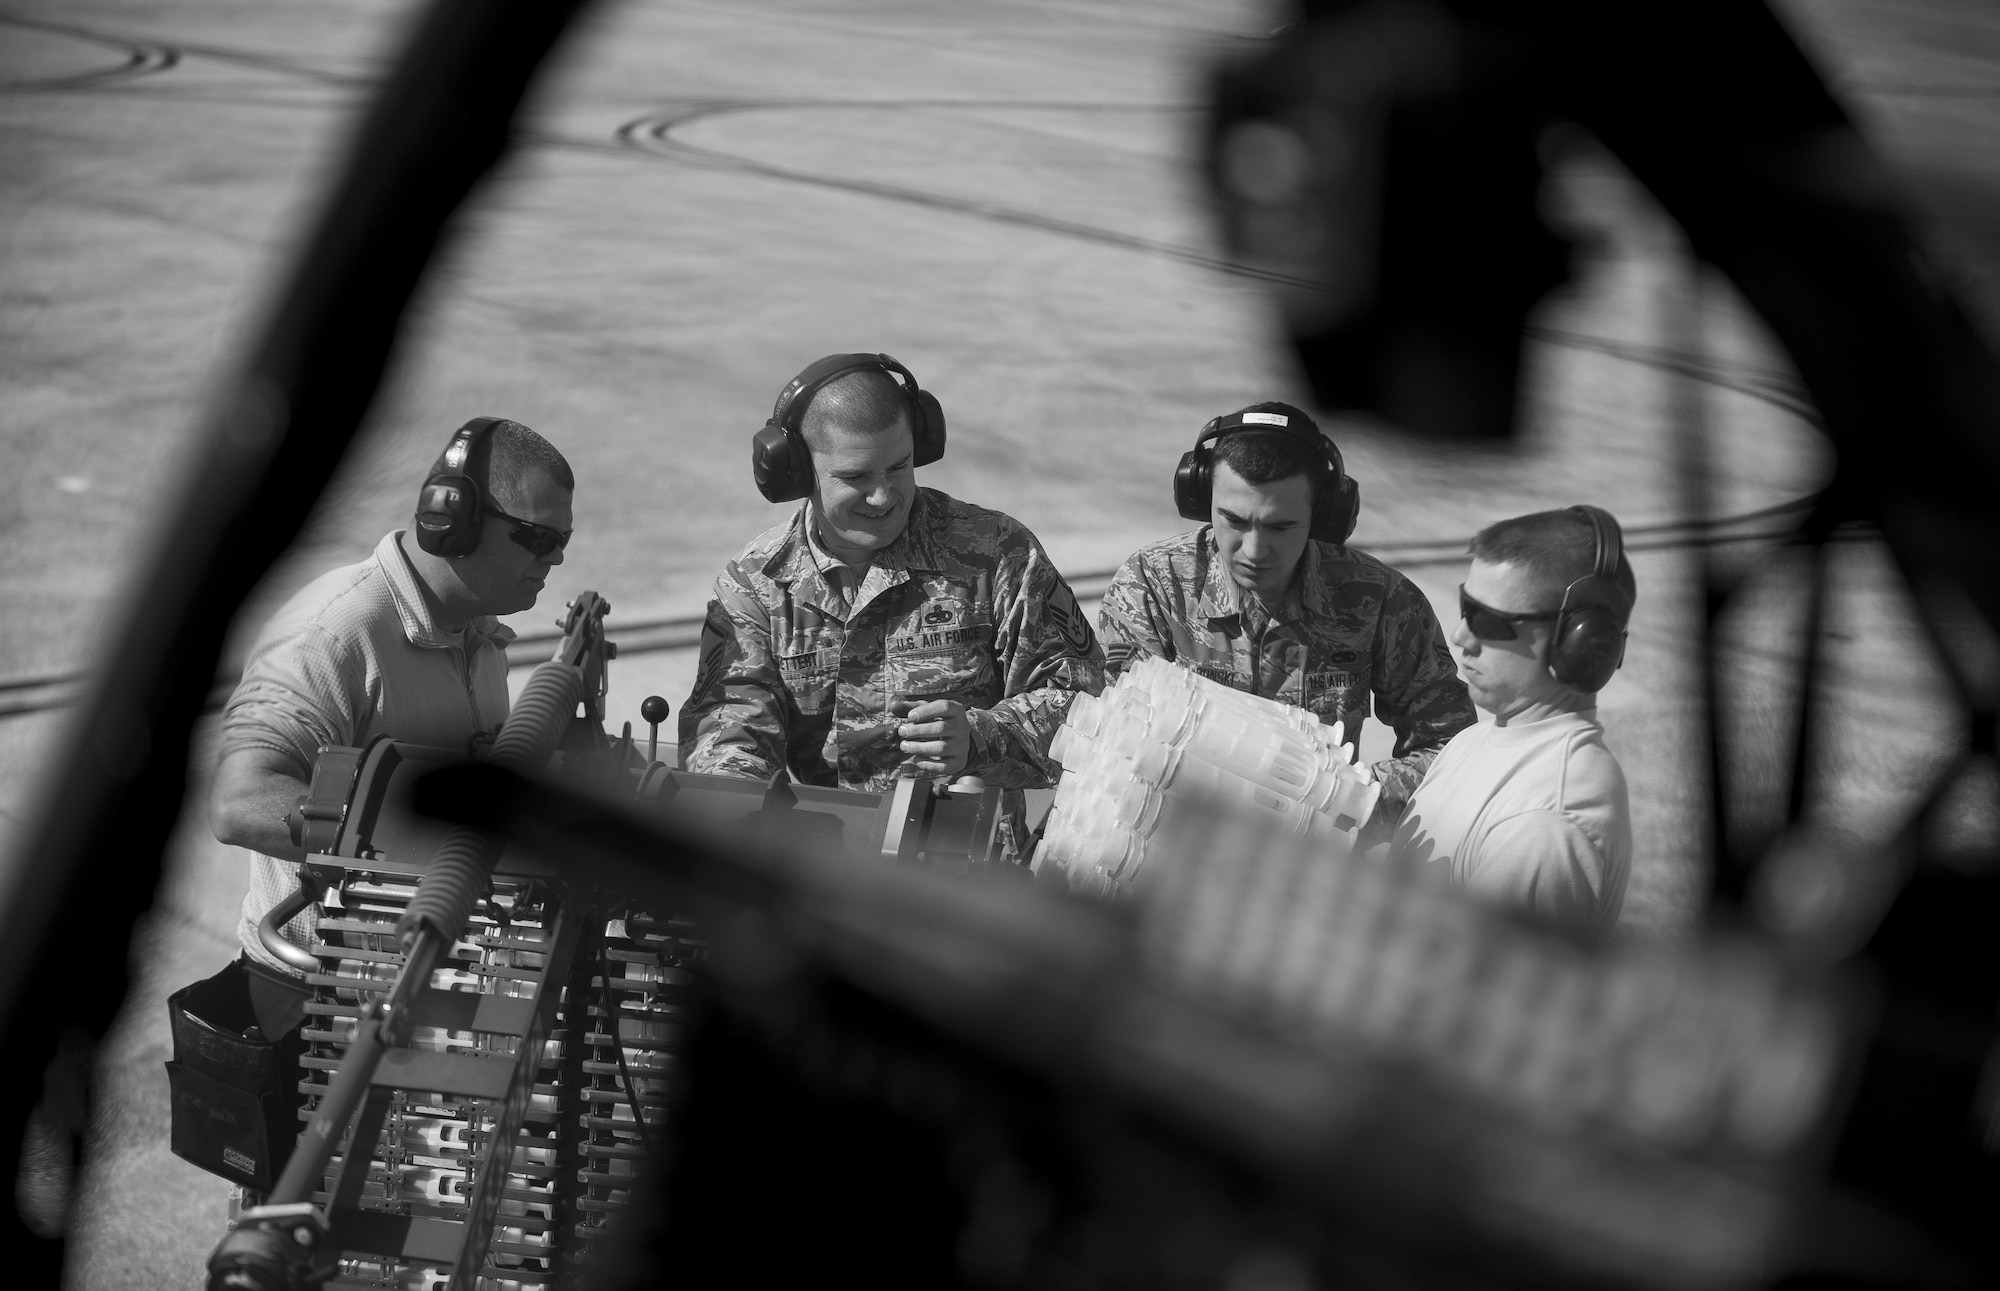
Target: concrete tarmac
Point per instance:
(710, 195)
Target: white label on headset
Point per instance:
(1266, 419)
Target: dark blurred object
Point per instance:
(1379, 164)
(1361, 121)
(277, 428)
(1339, 1072)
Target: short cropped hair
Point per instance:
(867, 401)
(1557, 547)
(511, 453)
(1261, 457)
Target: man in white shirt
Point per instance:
(1529, 807)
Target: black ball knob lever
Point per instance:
(654, 710)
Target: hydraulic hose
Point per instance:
(464, 862)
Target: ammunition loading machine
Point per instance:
(490, 1044)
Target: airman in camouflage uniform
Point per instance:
(1342, 626)
(809, 665)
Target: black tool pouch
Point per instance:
(235, 1098)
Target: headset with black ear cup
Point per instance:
(1589, 640)
(450, 506)
(1335, 510)
(779, 458)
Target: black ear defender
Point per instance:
(450, 507)
(1337, 506)
(1589, 641)
(779, 457)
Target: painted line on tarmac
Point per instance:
(653, 134)
(146, 56)
(1777, 388)
(280, 65)
(142, 57)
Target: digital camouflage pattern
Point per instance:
(1349, 627)
(964, 605)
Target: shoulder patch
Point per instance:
(717, 635)
(1071, 623)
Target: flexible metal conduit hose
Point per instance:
(464, 862)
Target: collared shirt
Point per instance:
(354, 654)
(842, 579)
(963, 605)
(1349, 627)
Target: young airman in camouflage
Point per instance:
(1268, 598)
(886, 625)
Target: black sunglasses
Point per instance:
(539, 539)
(1489, 624)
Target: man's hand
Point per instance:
(936, 736)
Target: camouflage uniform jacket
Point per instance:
(1349, 626)
(963, 605)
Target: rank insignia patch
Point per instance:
(1072, 624)
(718, 636)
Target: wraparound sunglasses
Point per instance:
(1489, 624)
(539, 539)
